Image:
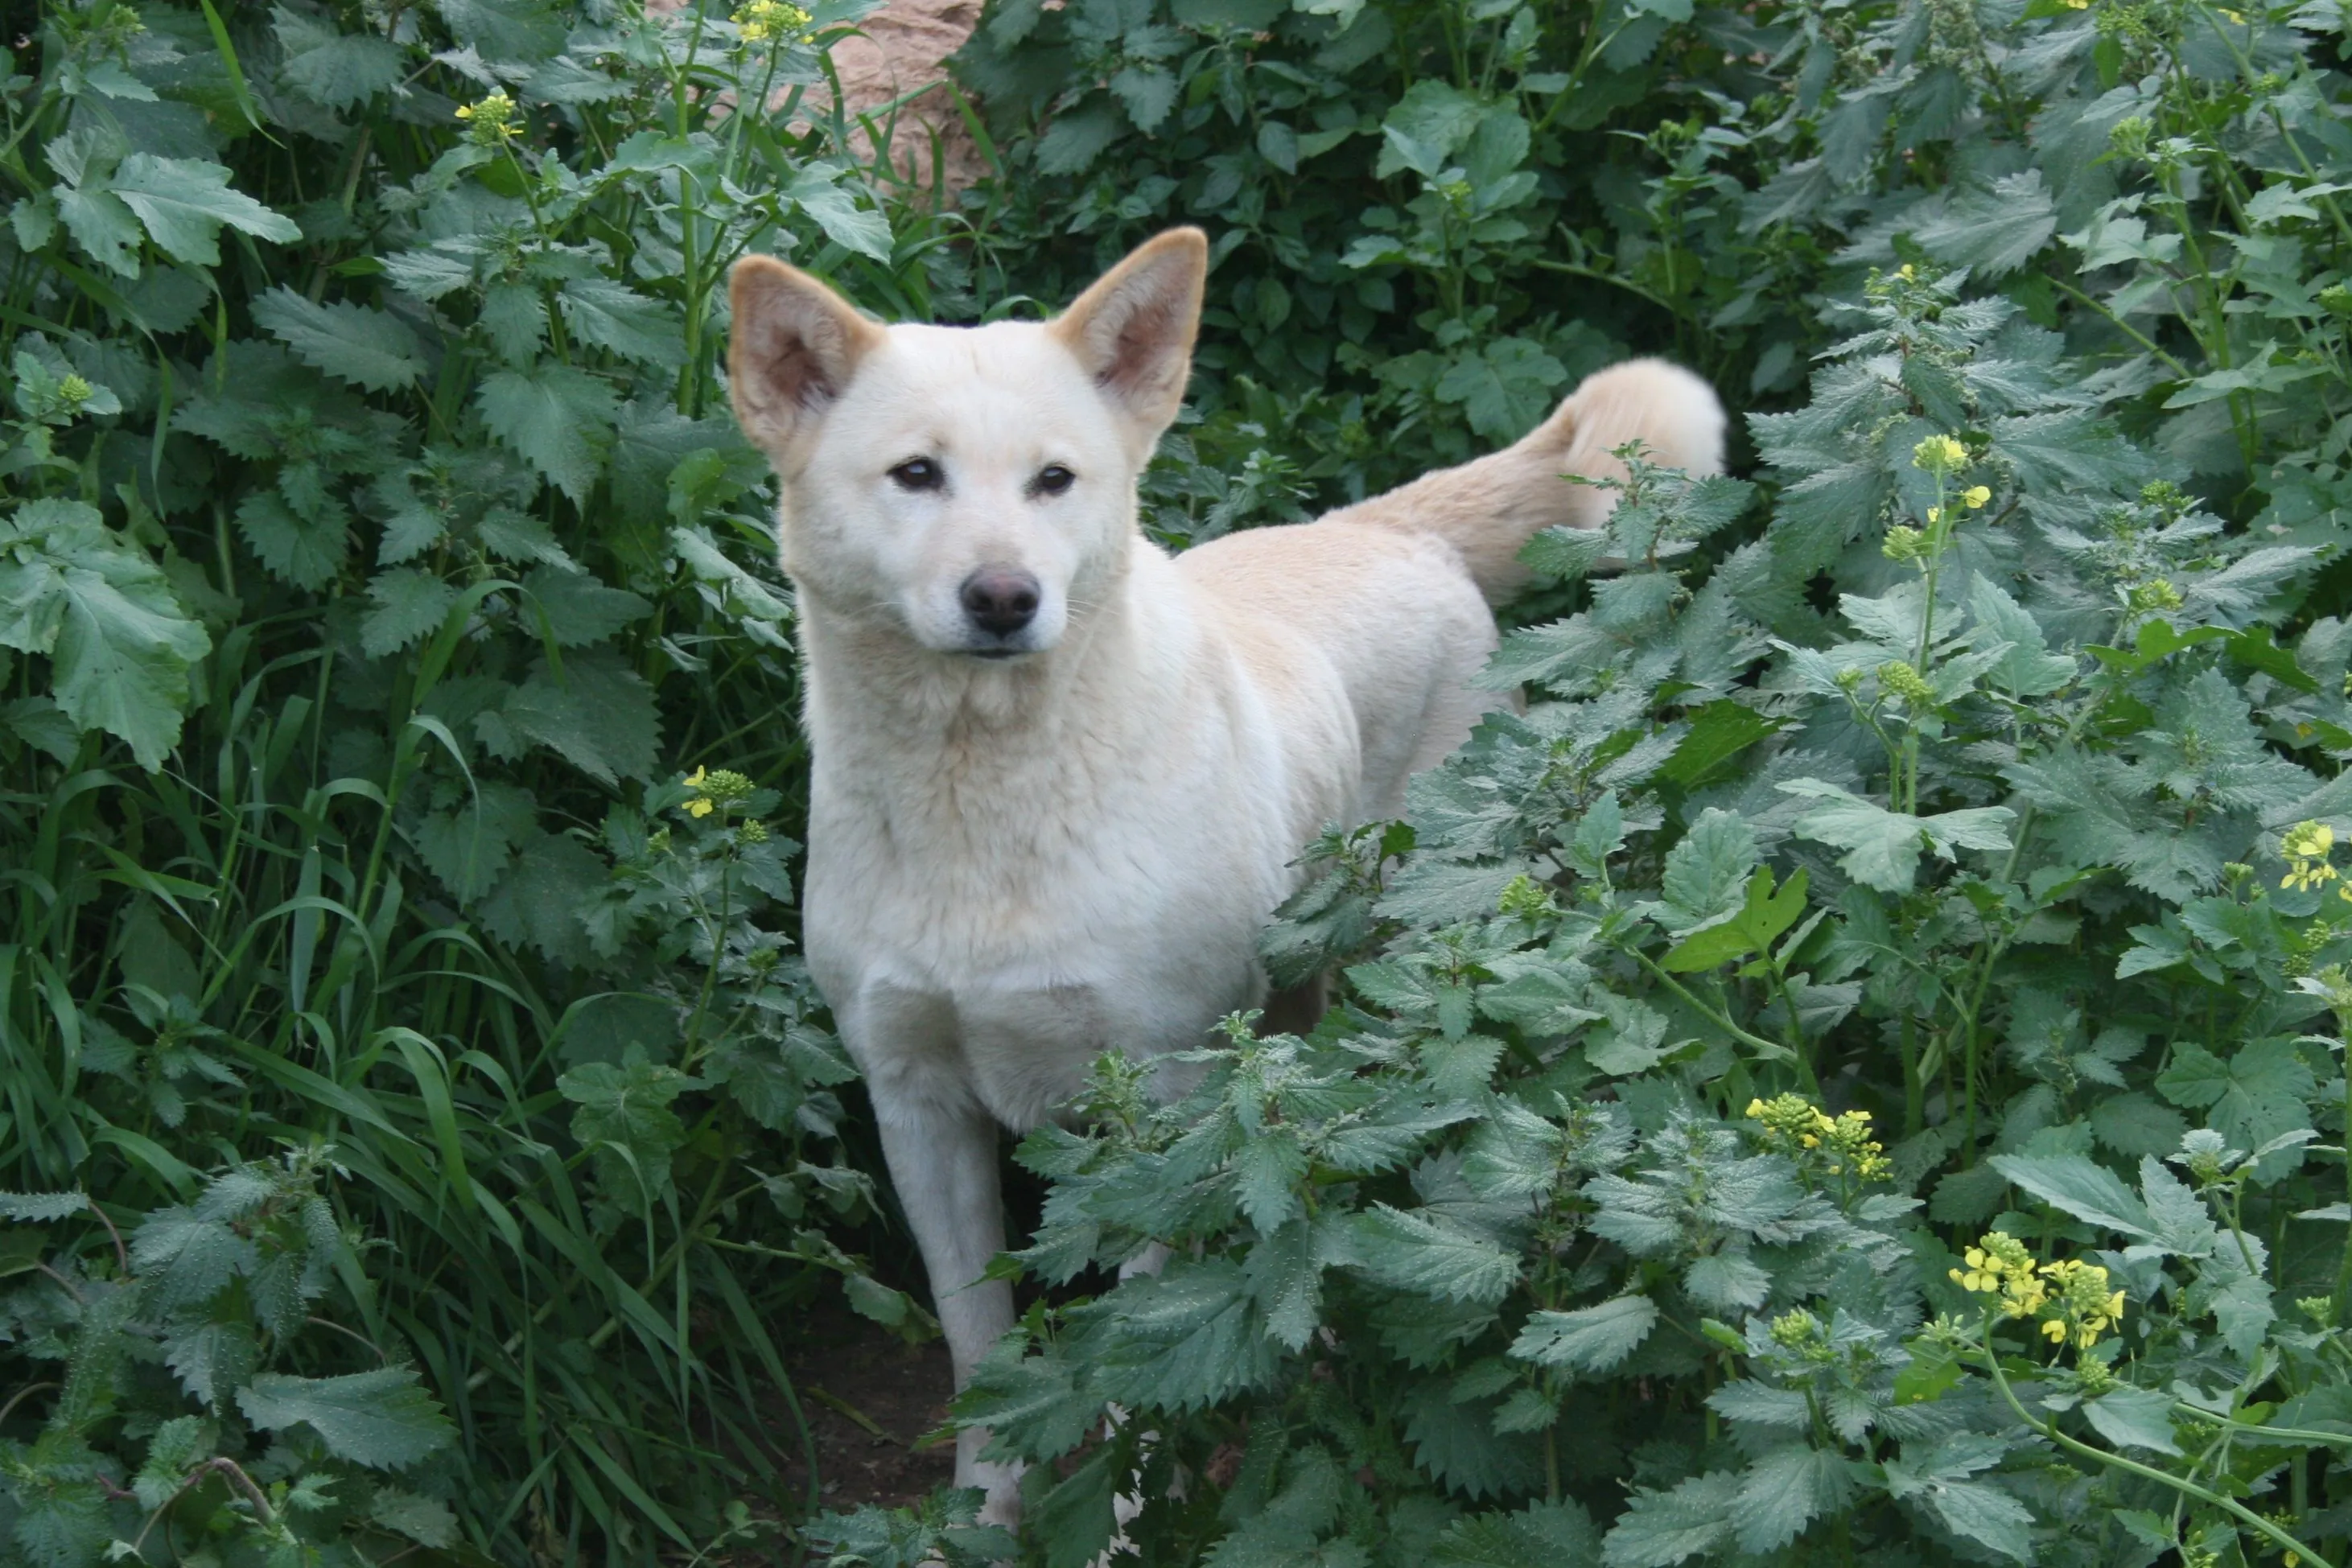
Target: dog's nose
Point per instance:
(1000, 602)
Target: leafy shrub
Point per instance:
(1856, 1066)
(376, 557)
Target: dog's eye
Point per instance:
(918, 474)
(1052, 480)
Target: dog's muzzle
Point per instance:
(1000, 605)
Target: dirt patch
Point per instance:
(869, 1400)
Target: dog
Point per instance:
(1060, 778)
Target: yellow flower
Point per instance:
(490, 122)
(702, 806)
(1940, 455)
(1935, 515)
(1909, 273)
(1976, 495)
(2308, 840)
(763, 20)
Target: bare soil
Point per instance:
(869, 1400)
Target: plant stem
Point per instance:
(2245, 1515)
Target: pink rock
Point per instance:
(893, 70)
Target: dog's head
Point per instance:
(975, 483)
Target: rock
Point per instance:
(893, 70)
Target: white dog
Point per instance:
(1061, 778)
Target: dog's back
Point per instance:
(1388, 600)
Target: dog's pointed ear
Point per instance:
(794, 347)
(1133, 331)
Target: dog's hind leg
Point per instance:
(943, 1158)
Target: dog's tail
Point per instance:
(1488, 508)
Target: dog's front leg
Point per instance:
(943, 1158)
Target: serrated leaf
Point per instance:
(1660, 1529)
(579, 608)
(557, 419)
(184, 202)
(598, 715)
(1590, 1339)
(382, 1418)
(1416, 1251)
(369, 349)
(1541, 1535)
(409, 605)
(614, 316)
(1996, 229)
(42, 1207)
(1785, 1491)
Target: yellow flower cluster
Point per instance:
(490, 122)
(1939, 456)
(2306, 847)
(2071, 1298)
(717, 790)
(1794, 1125)
(763, 20)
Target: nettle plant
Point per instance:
(395, 743)
(1866, 1084)
(179, 1333)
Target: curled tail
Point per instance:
(1491, 505)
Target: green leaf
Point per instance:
(42, 1207)
(1719, 731)
(1267, 1171)
(331, 67)
(579, 608)
(409, 605)
(306, 552)
(557, 419)
(864, 230)
(1785, 1491)
(612, 316)
(2134, 1123)
(541, 901)
(120, 646)
(367, 348)
(1179, 1341)
(626, 1122)
(1660, 1529)
(2257, 1094)
(2134, 1418)
(1973, 1510)
(212, 1359)
(1753, 929)
(1541, 1535)
(1419, 1252)
(382, 1418)
(2083, 1187)
(427, 1522)
(184, 202)
(1884, 846)
(598, 715)
(1504, 387)
(1705, 871)
(1996, 229)
(1590, 1339)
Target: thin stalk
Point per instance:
(2245, 1515)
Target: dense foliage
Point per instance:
(1855, 1067)
(378, 557)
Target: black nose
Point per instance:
(1000, 602)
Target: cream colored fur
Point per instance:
(1018, 862)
